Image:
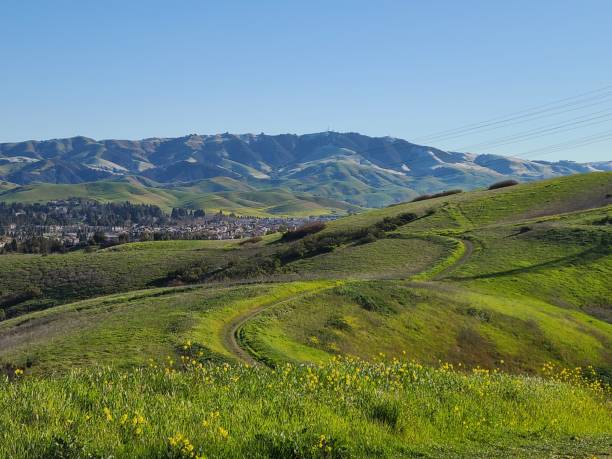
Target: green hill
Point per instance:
(506, 267)
(507, 281)
(213, 195)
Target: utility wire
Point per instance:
(527, 113)
(600, 100)
(575, 143)
(576, 123)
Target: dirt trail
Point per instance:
(232, 329)
(469, 249)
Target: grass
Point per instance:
(455, 325)
(64, 277)
(564, 265)
(121, 330)
(124, 330)
(309, 321)
(468, 210)
(456, 249)
(211, 195)
(346, 408)
(382, 258)
(515, 279)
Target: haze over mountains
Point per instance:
(362, 170)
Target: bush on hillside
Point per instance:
(392, 223)
(424, 197)
(503, 184)
(189, 274)
(302, 231)
(607, 220)
(311, 245)
(251, 240)
(12, 299)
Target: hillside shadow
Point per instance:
(586, 256)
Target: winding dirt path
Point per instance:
(231, 331)
(469, 249)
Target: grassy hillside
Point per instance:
(347, 408)
(310, 321)
(466, 210)
(508, 281)
(263, 203)
(213, 195)
(105, 191)
(64, 277)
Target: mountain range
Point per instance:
(350, 167)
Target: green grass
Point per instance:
(455, 248)
(568, 266)
(63, 277)
(121, 330)
(346, 408)
(429, 324)
(209, 329)
(211, 195)
(124, 330)
(382, 258)
(309, 321)
(534, 289)
(468, 210)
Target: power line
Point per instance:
(576, 123)
(569, 144)
(600, 100)
(555, 106)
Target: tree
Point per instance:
(99, 237)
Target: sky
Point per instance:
(133, 69)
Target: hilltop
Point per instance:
(364, 171)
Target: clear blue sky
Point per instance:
(135, 69)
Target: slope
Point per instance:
(215, 194)
(510, 301)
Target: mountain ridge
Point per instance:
(362, 170)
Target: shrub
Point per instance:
(386, 412)
(480, 314)
(338, 323)
(424, 197)
(303, 231)
(15, 298)
(607, 220)
(391, 223)
(503, 184)
(189, 274)
(251, 240)
(252, 267)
